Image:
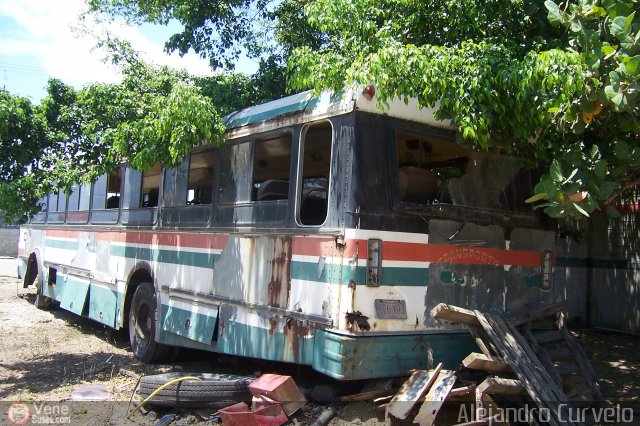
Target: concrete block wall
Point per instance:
(9, 241)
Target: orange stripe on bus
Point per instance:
(436, 253)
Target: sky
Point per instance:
(40, 39)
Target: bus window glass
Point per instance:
(79, 197)
(151, 186)
(271, 165)
(316, 161)
(114, 180)
(200, 183)
(235, 176)
(433, 171)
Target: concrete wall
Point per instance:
(9, 241)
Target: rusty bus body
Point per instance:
(321, 233)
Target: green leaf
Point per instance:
(608, 49)
(556, 171)
(555, 15)
(618, 28)
(536, 197)
(601, 168)
(580, 209)
(632, 64)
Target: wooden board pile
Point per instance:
(527, 361)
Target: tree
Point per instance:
(562, 91)
(156, 114)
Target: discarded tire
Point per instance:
(214, 391)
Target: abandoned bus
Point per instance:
(322, 232)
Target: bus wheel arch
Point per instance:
(34, 276)
(141, 317)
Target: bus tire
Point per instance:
(142, 325)
(214, 391)
(33, 276)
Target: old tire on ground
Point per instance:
(214, 391)
(142, 325)
(33, 276)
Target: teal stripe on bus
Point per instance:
(399, 276)
(187, 258)
(66, 245)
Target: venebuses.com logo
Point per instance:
(18, 413)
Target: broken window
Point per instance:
(256, 171)
(434, 171)
(151, 186)
(200, 182)
(271, 166)
(316, 162)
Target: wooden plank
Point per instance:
(368, 396)
(455, 314)
(500, 386)
(484, 362)
(519, 318)
(435, 398)
(567, 368)
(410, 392)
(461, 391)
(583, 362)
(516, 357)
(561, 352)
(543, 355)
(548, 336)
(537, 373)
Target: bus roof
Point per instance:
(306, 106)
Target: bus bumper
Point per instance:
(366, 357)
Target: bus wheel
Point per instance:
(142, 325)
(33, 276)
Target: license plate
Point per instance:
(390, 309)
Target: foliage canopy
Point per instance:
(553, 82)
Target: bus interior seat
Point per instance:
(113, 202)
(152, 198)
(273, 189)
(417, 184)
(313, 209)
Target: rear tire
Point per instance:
(33, 276)
(142, 325)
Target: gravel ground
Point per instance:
(46, 355)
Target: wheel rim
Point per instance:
(143, 326)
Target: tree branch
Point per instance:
(616, 194)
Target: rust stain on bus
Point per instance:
(280, 271)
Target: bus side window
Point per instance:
(57, 207)
(200, 181)
(78, 206)
(106, 197)
(151, 186)
(271, 166)
(316, 162)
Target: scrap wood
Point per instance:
(455, 314)
(461, 391)
(435, 398)
(370, 395)
(519, 318)
(485, 362)
(530, 371)
(412, 390)
(498, 385)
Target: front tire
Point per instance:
(142, 325)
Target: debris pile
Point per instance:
(528, 362)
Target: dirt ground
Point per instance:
(47, 355)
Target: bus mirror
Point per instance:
(546, 278)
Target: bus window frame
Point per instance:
(62, 214)
(233, 213)
(82, 216)
(300, 172)
(136, 214)
(186, 215)
(105, 216)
